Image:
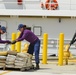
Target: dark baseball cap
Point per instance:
(3, 29)
(20, 26)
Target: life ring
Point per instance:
(55, 5)
(42, 5)
(19, 2)
(54, 0)
(47, 5)
(48, 1)
(52, 6)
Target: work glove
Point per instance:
(13, 42)
(7, 43)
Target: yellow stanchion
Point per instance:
(44, 53)
(60, 51)
(18, 44)
(13, 38)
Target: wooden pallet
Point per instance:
(21, 69)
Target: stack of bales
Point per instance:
(3, 55)
(10, 60)
(23, 60)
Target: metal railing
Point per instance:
(54, 43)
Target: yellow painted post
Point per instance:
(13, 38)
(60, 51)
(18, 44)
(44, 53)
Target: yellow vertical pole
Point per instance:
(18, 44)
(44, 53)
(60, 51)
(13, 38)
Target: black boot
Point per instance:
(37, 67)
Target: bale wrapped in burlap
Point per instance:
(2, 61)
(20, 58)
(2, 64)
(10, 60)
(18, 66)
(23, 60)
(3, 53)
(2, 57)
(9, 63)
(10, 66)
(24, 55)
(29, 63)
(12, 52)
(21, 64)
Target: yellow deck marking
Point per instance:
(4, 72)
